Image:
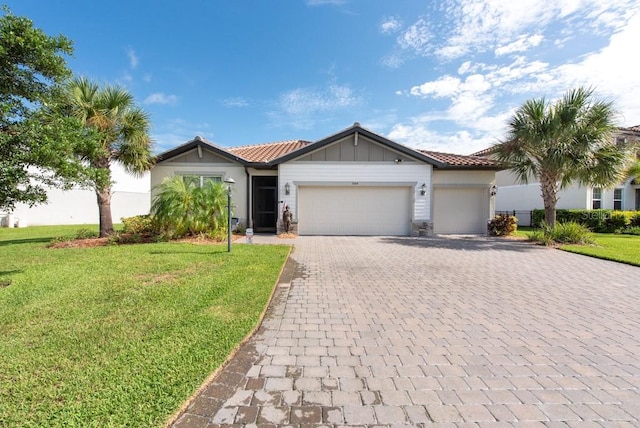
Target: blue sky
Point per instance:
(440, 75)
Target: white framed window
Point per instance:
(617, 199)
(200, 179)
(596, 198)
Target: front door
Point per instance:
(265, 204)
(637, 199)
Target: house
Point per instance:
(130, 197)
(354, 182)
(523, 198)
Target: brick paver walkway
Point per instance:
(462, 332)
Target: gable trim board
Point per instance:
(352, 182)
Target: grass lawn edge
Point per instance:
(176, 415)
(601, 257)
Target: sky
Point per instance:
(439, 75)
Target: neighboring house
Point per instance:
(130, 196)
(354, 182)
(515, 196)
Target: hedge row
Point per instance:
(600, 221)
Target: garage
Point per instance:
(351, 210)
(460, 210)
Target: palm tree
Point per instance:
(123, 130)
(181, 207)
(559, 143)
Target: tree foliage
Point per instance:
(181, 207)
(36, 148)
(121, 131)
(562, 142)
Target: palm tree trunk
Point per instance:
(549, 188)
(104, 207)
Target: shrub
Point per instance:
(632, 230)
(634, 220)
(138, 224)
(564, 233)
(240, 229)
(183, 208)
(86, 234)
(503, 225)
(572, 233)
(618, 221)
(601, 221)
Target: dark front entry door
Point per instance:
(637, 199)
(265, 204)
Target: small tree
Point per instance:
(563, 142)
(122, 130)
(181, 207)
(37, 148)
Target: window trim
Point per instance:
(598, 199)
(620, 199)
(202, 176)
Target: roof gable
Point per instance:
(356, 131)
(353, 148)
(200, 145)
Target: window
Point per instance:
(201, 180)
(617, 199)
(596, 199)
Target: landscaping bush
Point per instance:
(600, 221)
(634, 220)
(503, 225)
(183, 208)
(563, 233)
(632, 230)
(138, 224)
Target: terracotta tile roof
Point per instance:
(454, 160)
(268, 151)
(633, 128)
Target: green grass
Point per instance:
(610, 246)
(119, 335)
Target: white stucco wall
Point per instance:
(130, 197)
(357, 174)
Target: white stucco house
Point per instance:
(130, 197)
(354, 182)
(523, 198)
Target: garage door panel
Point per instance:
(354, 211)
(460, 210)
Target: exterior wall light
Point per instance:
(494, 190)
(287, 189)
(397, 160)
(423, 189)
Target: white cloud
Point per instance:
(418, 134)
(133, 58)
(443, 87)
(306, 101)
(416, 37)
(522, 44)
(160, 98)
(236, 102)
(390, 25)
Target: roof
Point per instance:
(268, 151)
(454, 160)
(269, 155)
(199, 141)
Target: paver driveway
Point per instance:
(464, 331)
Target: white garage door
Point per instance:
(354, 210)
(460, 210)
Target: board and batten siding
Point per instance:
(410, 174)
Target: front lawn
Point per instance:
(611, 246)
(119, 335)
